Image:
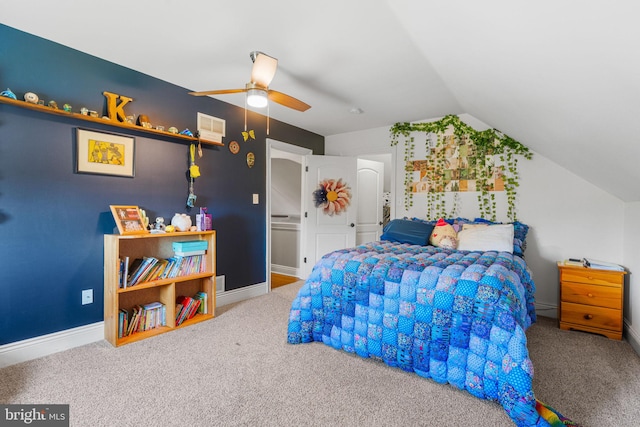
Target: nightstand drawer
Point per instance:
(603, 296)
(595, 317)
(590, 276)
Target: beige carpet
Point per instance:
(238, 370)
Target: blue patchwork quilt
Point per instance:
(453, 316)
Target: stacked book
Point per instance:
(190, 248)
(187, 307)
(142, 318)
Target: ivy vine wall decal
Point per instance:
(460, 158)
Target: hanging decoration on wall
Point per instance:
(248, 134)
(251, 159)
(333, 196)
(194, 172)
(234, 147)
(460, 158)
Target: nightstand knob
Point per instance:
(588, 316)
(590, 295)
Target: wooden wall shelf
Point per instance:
(77, 116)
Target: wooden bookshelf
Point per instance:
(165, 291)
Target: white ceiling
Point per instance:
(562, 77)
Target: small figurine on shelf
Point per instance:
(186, 132)
(159, 226)
(31, 97)
(7, 93)
(182, 222)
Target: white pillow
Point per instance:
(490, 238)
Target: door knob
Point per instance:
(352, 225)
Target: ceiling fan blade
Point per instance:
(288, 101)
(264, 68)
(217, 92)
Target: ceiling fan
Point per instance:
(257, 90)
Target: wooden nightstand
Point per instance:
(591, 300)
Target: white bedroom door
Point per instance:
(370, 201)
(330, 201)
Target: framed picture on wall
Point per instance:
(104, 153)
(128, 219)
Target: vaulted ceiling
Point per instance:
(562, 77)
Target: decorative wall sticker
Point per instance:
(251, 159)
(333, 196)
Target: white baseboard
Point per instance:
(549, 310)
(286, 270)
(546, 310)
(632, 337)
(34, 348)
(41, 346)
(241, 294)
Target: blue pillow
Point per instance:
(406, 231)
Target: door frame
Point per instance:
(295, 151)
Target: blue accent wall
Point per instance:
(52, 220)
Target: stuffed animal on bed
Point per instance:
(444, 235)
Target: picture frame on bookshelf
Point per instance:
(104, 153)
(128, 219)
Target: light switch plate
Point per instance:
(256, 199)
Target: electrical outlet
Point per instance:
(87, 296)
(256, 199)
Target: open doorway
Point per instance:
(287, 232)
(284, 209)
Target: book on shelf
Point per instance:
(202, 296)
(191, 245)
(574, 262)
(133, 269)
(148, 269)
(186, 308)
(602, 265)
(143, 318)
(190, 253)
(142, 271)
(125, 274)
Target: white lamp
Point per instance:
(257, 98)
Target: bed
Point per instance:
(456, 316)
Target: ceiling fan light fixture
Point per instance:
(257, 98)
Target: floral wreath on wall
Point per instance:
(488, 145)
(333, 196)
